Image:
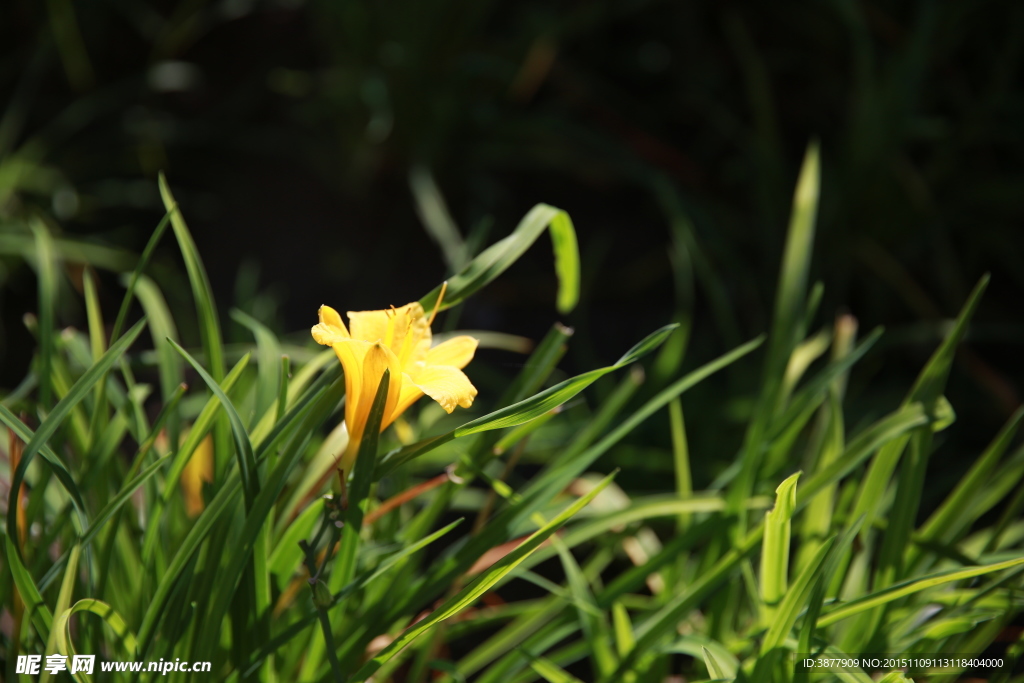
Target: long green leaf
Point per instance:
(360, 582)
(46, 264)
(541, 403)
(162, 328)
(592, 621)
(715, 670)
(484, 582)
(551, 672)
(67, 481)
(927, 390)
(129, 292)
(209, 326)
(35, 606)
(524, 410)
(200, 427)
(242, 552)
(243, 448)
(67, 586)
(301, 418)
(950, 516)
(795, 598)
(796, 262)
(910, 587)
(116, 623)
(63, 408)
(494, 260)
(268, 357)
(775, 549)
(665, 619)
(786, 326)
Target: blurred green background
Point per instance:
(297, 136)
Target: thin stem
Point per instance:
(332, 654)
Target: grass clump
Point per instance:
(151, 520)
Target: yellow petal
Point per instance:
(331, 318)
(457, 352)
(330, 329)
(410, 394)
(378, 359)
(447, 385)
(351, 353)
(404, 330)
(198, 470)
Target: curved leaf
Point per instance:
(494, 260)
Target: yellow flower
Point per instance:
(396, 339)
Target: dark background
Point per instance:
(288, 129)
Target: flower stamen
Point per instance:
(437, 304)
(403, 354)
(389, 336)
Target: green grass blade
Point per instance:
(494, 260)
(787, 321)
(55, 464)
(244, 551)
(97, 345)
(792, 293)
(957, 505)
(60, 412)
(775, 549)
(199, 531)
(593, 623)
(46, 265)
(35, 606)
(813, 391)
(147, 252)
(200, 427)
(523, 411)
(927, 390)
(63, 605)
(668, 616)
(541, 403)
(551, 672)
(268, 360)
(115, 503)
(558, 475)
(624, 640)
(715, 670)
(909, 587)
(93, 315)
(480, 585)
(680, 457)
(796, 597)
(243, 448)
(930, 384)
(539, 366)
(433, 213)
(360, 582)
(297, 384)
(209, 326)
(22, 244)
(885, 432)
(828, 574)
(162, 328)
(108, 614)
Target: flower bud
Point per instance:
(321, 595)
